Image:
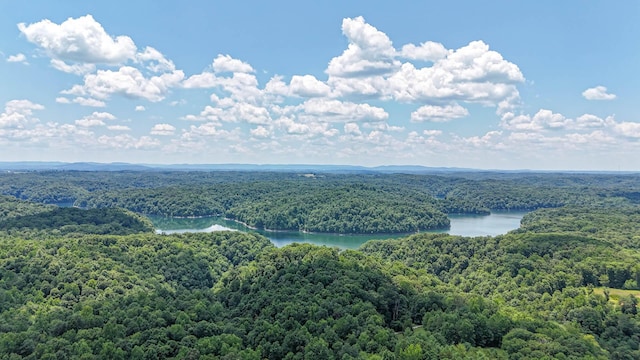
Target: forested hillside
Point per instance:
(551, 275)
(11, 207)
(618, 225)
(338, 203)
(112, 297)
(563, 286)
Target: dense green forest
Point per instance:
(338, 203)
(11, 207)
(99, 284)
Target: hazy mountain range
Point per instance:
(94, 166)
(119, 166)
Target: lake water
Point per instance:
(465, 225)
(497, 223)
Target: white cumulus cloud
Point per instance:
(472, 73)
(432, 132)
(82, 40)
(18, 113)
(628, 129)
(118, 128)
(201, 81)
(491, 139)
(89, 122)
(427, 51)
(233, 112)
(260, 132)
(156, 62)
(163, 129)
(291, 127)
(210, 129)
(276, 86)
(127, 81)
(352, 128)
(239, 86)
(543, 120)
(95, 119)
(438, 113)
(78, 69)
(328, 110)
(370, 51)
(598, 93)
(548, 119)
(81, 101)
(225, 63)
(371, 67)
(20, 57)
(88, 102)
(308, 86)
(587, 121)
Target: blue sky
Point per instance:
(497, 85)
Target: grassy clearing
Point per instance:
(616, 294)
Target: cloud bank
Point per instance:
(375, 100)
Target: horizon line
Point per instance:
(44, 164)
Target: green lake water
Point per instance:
(465, 225)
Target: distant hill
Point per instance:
(418, 169)
(79, 166)
(29, 165)
(93, 166)
(387, 169)
(90, 166)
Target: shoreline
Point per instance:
(305, 231)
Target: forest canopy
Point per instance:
(334, 203)
(98, 283)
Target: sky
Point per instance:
(546, 85)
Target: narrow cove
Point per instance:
(465, 225)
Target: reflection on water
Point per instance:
(465, 225)
(212, 228)
(498, 223)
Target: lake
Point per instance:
(465, 225)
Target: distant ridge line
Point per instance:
(121, 166)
